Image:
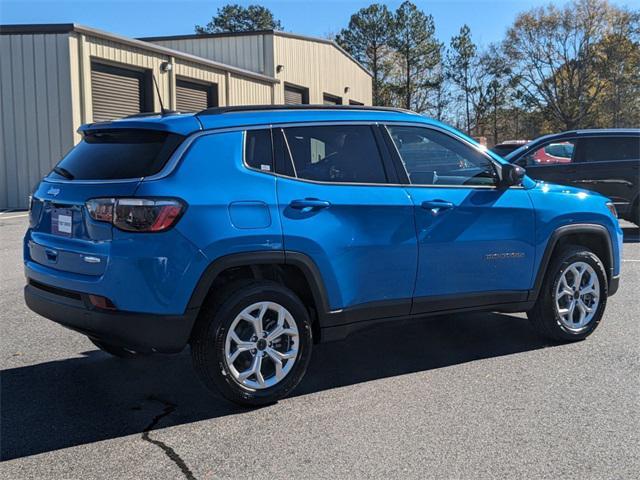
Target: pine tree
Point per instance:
(460, 66)
(236, 18)
(367, 39)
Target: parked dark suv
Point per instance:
(508, 146)
(605, 161)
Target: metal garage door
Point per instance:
(331, 100)
(116, 92)
(193, 97)
(295, 95)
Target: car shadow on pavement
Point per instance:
(96, 397)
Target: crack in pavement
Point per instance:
(169, 408)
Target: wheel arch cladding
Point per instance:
(593, 236)
(293, 269)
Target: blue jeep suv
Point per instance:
(252, 233)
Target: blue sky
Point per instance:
(488, 19)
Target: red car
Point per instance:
(554, 153)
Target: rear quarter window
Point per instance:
(602, 149)
(117, 154)
(258, 151)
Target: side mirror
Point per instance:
(511, 175)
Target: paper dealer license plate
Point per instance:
(62, 221)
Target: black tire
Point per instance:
(544, 316)
(209, 336)
(115, 351)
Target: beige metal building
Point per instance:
(53, 78)
(310, 70)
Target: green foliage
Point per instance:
(367, 39)
(400, 50)
(236, 18)
(497, 72)
(439, 96)
(417, 52)
(463, 53)
(462, 62)
(559, 68)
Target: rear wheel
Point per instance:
(572, 300)
(253, 343)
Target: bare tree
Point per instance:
(554, 55)
(619, 68)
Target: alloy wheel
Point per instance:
(577, 296)
(261, 345)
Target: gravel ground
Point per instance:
(470, 397)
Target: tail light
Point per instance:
(137, 214)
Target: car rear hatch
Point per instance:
(107, 163)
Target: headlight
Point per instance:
(612, 209)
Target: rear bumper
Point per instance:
(148, 273)
(136, 331)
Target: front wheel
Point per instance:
(253, 343)
(572, 300)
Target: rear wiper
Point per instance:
(64, 172)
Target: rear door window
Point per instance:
(336, 153)
(602, 149)
(117, 154)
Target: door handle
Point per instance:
(309, 204)
(437, 205)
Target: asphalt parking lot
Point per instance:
(469, 397)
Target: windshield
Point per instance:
(117, 154)
(516, 152)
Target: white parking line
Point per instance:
(630, 260)
(4, 217)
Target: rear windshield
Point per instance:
(117, 154)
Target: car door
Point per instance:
(338, 207)
(553, 162)
(610, 165)
(475, 240)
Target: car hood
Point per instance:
(555, 188)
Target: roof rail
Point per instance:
(259, 108)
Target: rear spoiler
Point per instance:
(181, 124)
